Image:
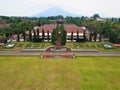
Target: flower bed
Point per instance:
(10, 45)
(117, 45)
(108, 46)
(57, 55)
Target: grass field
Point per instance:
(80, 73)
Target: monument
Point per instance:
(58, 41)
(58, 51)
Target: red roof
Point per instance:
(68, 27)
(117, 45)
(13, 36)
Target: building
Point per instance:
(14, 38)
(68, 27)
(49, 28)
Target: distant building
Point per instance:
(68, 27)
(49, 28)
(14, 38)
(100, 19)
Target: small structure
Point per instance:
(62, 55)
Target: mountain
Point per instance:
(55, 12)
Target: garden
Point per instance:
(101, 46)
(24, 45)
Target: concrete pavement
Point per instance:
(82, 53)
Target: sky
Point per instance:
(105, 8)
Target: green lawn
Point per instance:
(80, 73)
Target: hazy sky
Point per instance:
(110, 8)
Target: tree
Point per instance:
(48, 36)
(24, 36)
(72, 36)
(113, 36)
(41, 21)
(63, 37)
(18, 37)
(100, 37)
(95, 16)
(119, 20)
(34, 35)
(54, 36)
(43, 34)
(30, 35)
(84, 36)
(95, 35)
(99, 30)
(18, 31)
(77, 35)
(106, 30)
(90, 38)
(38, 35)
(63, 34)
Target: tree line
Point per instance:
(108, 29)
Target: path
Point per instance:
(76, 53)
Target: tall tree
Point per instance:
(43, 34)
(24, 36)
(63, 34)
(48, 36)
(18, 37)
(63, 37)
(100, 37)
(90, 38)
(113, 36)
(99, 28)
(72, 36)
(18, 31)
(38, 36)
(30, 35)
(54, 36)
(84, 36)
(95, 35)
(34, 35)
(106, 30)
(95, 16)
(77, 35)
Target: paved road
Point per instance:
(76, 53)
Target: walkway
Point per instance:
(84, 53)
